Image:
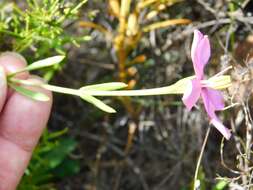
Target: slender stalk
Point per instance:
(222, 72)
(93, 25)
(49, 87)
(173, 89)
(61, 89)
(145, 92)
(248, 144)
(176, 88)
(200, 158)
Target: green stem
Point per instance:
(49, 87)
(200, 158)
(145, 92)
(176, 88)
(173, 89)
(58, 89)
(10, 33)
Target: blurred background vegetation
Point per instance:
(150, 143)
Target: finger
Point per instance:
(3, 88)
(26, 116)
(9, 62)
(21, 124)
(13, 62)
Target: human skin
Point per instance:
(22, 121)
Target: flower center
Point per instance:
(217, 82)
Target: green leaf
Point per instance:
(98, 103)
(31, 94)
(60, 152)
(221, 185)
(200, 182)
(45, 63)
(41, 64)
(105, 86)
(67, 168)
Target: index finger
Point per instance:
(21, 124)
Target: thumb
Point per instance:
(3, 88)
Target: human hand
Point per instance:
(22, 121)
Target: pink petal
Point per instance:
(209, 106)
(213, 101)
(215, 98)
(198, 36)
(192, 94)
(223, 130)
(204, 51)
(200, 53)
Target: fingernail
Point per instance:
(2, 79)
(13, 62)
(2, 74)
(13, 54)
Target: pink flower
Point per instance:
(213, 99)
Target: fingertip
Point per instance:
(31, 117)
(3, 87)
(13, 62)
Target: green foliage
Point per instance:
(30, 93)
(34, 66)
(38, 29)
(40, 25)
(48, 62)
(200, 183)
(221, 185)
(50, 161)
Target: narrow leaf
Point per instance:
(45, 63)
(98, 27)
(98, 103)
(41, 64)
(132, 25)
(105, 86)
(125, 8)
(114, 7)
(221, 185)
(164, 24)
(31, 94)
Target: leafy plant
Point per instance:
(40, 27)
(220, 185)
(50, 161)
